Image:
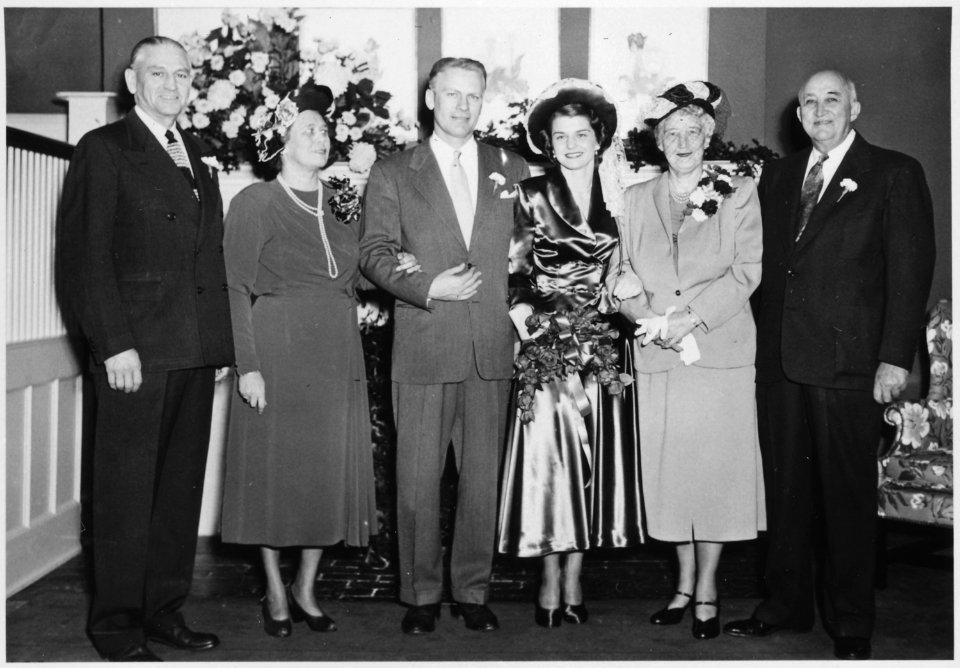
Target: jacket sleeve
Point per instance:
(726, 295)
(909, 251)
(522, 281)
(381, 238)
(639, 306)
(88, 218)
(243, 240)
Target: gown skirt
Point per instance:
(559, 493)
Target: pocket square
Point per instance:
(508, 194)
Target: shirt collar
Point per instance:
(156, 129)
(835, 155)
(443, 150)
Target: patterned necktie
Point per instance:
(809, 195)
(462, 199)
(181, 160)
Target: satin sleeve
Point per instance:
(522, 284)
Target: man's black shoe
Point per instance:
(476, 617)
(179, 636)
(754, 628)
(851, 647)
(421, 619)
(135, 653)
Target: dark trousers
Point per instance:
(472, 415)
(149, 459)
(819, 451)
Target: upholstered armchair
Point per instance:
(916, 471)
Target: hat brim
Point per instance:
(562, 93)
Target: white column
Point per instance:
(88, 110)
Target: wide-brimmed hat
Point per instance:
(564, 92)
(703, 94)
(269, 133)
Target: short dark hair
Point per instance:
(155, 40)
(461, 63)
(572, 110)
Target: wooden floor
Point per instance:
(45, 622)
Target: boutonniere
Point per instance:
(212, 162)
(498, 179)
(849, 186)
(714, 186)
(345, 202)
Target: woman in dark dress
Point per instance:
(299, 467)
(570, 477)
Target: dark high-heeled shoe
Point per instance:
(278, 628)
(670, 616)
(575, 614)
(322, 623)
(705, 629)
(547, 617)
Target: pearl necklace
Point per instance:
(318, 212)
(680, 197)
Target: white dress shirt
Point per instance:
(160, 132)
(443, 152)
(830, 165)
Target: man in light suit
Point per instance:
(847, 264)
(142, 263)
(449, 202)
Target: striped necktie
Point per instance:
(462, 199)
(181, 160)
(810, 194)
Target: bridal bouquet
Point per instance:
(569, 343)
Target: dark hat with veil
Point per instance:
(703, 94)
(269, 133)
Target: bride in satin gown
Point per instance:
(570, 477)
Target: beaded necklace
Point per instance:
(318, 212)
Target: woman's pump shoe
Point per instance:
(670, 616)
(547, 618)
(321, 622)
(705, 629)
(575, 614)
(278, 628)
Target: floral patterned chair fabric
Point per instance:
(916, 473)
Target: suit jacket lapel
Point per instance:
(562, 202)
(791, 186)
(487, 164)
(146, 150)
(429, 182)
(854, 163)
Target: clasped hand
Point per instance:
(678, 325)
(458, 283)
(253, 390)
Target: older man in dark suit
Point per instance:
(449, 202)
(142, 228)
(847, 263)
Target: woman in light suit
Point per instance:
(692, 241)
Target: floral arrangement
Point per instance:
(714, 187)
(568, 343)
(345, 202)
(244, 68)
(507, 129)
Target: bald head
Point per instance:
(828, 108)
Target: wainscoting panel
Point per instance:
(44, 419)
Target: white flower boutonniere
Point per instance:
(498, 178)
(212, 162)
(714, 187)
(849, 186)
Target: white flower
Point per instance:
(258, 116)
(939, 368)
(938, 470)
(342, 133)
(947, 328)
(216, 62)
(221, 94)
(183, 120)
(699, 215)
(497, 178)
(698, 197)
(848, 185)
(212, 162)
(349, 118)
(287, 113)
(270, 99)
(333, 76)
(203, 106)
(362, 157)
(259, 61)
(917, 501)
(356, 133)
(238, 77)
(229, 50)
(230, 129)
(200, 121)
(916, 424)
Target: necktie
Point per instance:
(181, 160)
(809, 195)
(462, 200)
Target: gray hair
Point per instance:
(846, 81)
(155, 40)
(707, 122)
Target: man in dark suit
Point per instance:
(449, 202)
(143, 269)
(847, 263)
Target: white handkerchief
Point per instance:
(651, 328)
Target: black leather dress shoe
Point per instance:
(476, 616)
(322, 622)
(135, 653)
(421, 619)
(754, 628)
(278, 628)
(179, 636)
(575, 614)
(851, 647)
(548, 618)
